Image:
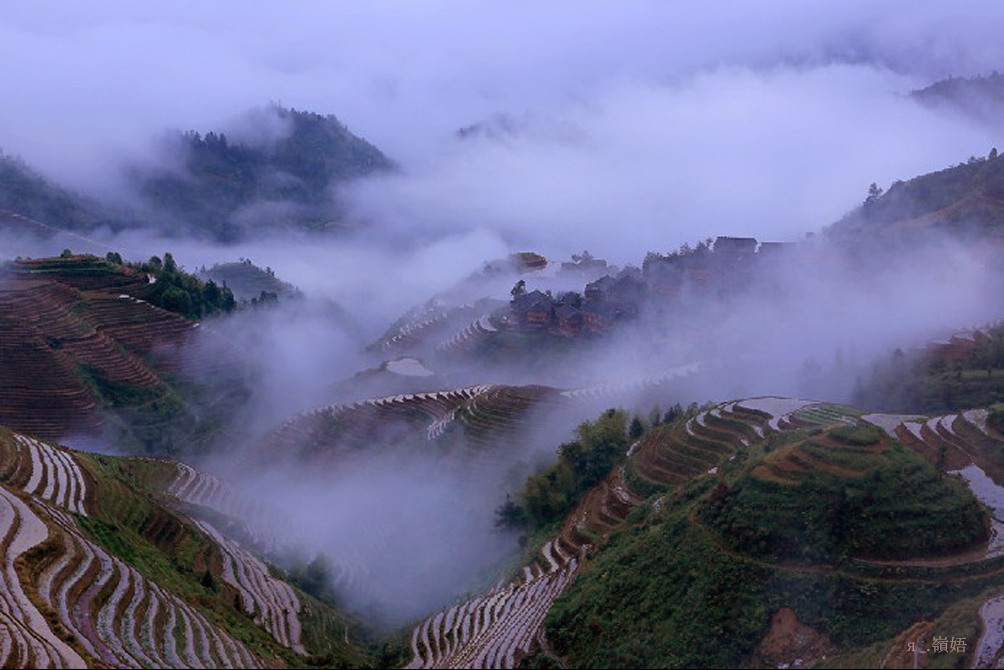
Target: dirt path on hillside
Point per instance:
(830, 569)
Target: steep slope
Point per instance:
(950, 374)
(83, 355)
(981, 98)
(101, 569)
(277, 175)
(479, 417)
(663, 577)
(29, 194)
(249, 281)
(966, 200)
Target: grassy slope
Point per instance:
(131, 523)
(666, 591)
(927, 383)
(173, 416)
(967, 198)
(248, 281)
(26, 192)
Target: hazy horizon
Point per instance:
(676, 120)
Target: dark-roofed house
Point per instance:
(521, 305)
(569, 319)
(521, 302)
(664, 276)
(597, 290)
(597, 316)
(957, 348)
(772, 249)
(735, 247)
(540, 312)
(627, 289)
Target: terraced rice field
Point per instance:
(424, 326)
(490, 631)
(55, 474)
(485, 414)
(943, 440)
(70, 331)
(29, 640)
(496, 629)
(117, 616)
(202, 488)
(779, 409)
(646, 383)
(469, 336)
(87, 605)
(499, 627)
(274, 601)
(989, 651)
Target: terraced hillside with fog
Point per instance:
(480, 417)
(126, 562)
(726, 528)
(84, 353)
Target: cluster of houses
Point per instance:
(957, 348)
(606, 301)
(616, 297)
(732, 262)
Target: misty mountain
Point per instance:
(277, 168)
(966, 200)
(981, 98)
(248, 281)
(28, 193)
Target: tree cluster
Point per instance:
(224, 176)
(177, 291)
(582, 463)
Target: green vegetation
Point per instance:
(26, 192)
(858, 435)
(666, 591)
(172, 414)
(801, 520)
(968, 199)
(887, 503)
(248, 281)
(131, 523)
(581, 465)
(314, 576)
(225, 176)
(996, 416)
(931, 383)
(177, 291)
(174, 289)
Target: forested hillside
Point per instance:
(227, 185)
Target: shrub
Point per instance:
(860, 435)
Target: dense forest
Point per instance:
(28, 193)
(228, 185)
(966, 200)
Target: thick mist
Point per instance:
(809, 325)
(673, 119)
(403, 533)
(553, 128)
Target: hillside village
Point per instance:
(662, 282)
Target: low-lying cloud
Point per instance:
(621, 129)
(731, 151)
